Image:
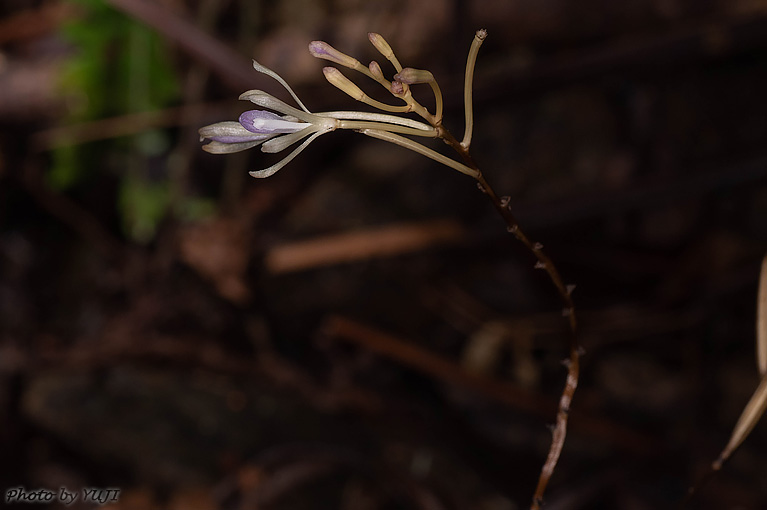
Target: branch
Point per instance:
(543, 262)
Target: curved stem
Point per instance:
(543, 262)
(438, 102)
(391, 128)
(383, 106)
(377, 117)
(421, 110)
(479, 38)
(387, 136)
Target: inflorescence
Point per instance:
(279, 125)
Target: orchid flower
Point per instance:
(278, 125)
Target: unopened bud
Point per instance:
(381, 45)
(540, 265)
(321, 49)
(412, 76)
(337, 79)
(375, 70)
(397, 88)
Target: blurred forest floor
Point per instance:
(359, 331)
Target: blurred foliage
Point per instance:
(118, 67)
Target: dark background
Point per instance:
(150, 340)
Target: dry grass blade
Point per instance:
(758, 403)
(761, 321)
(756, 406)
(751, 414)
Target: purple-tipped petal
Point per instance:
(264, 122)
(320, 49)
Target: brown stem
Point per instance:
(544, 262)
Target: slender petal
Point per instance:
(228, 148)
(266, 172)
(260, 121)
(283, 142)
(265, 100)
(265, 70)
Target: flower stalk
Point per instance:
(281, 126)
(468, 87)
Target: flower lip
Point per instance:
(265, 122)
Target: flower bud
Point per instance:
(397, 88)
(381, 45)
(337, 79)
(321, 49)
(412, 76)
(375, 70)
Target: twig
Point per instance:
(409, 354)
(757, 405)
(122, 125)
(391, 129)
(353, 246)
(436, 366)
(543, 262)
(231, 67)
